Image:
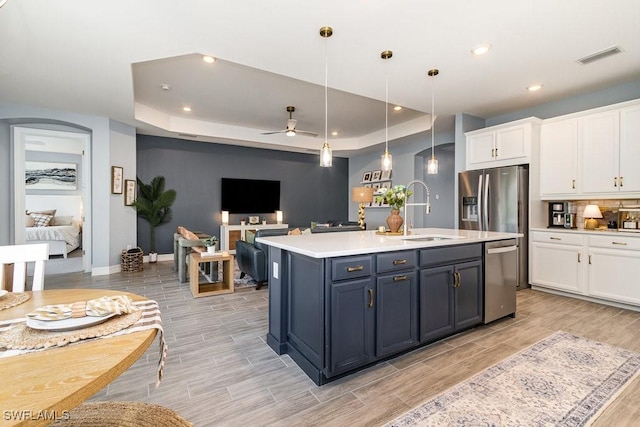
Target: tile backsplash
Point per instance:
(609, 209)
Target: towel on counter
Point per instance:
(99, 307)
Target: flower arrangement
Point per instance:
(395, 197)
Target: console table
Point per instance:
(229, 234)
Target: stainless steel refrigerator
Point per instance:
(497, 200)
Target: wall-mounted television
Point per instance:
(247, 196)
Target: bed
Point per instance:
(62, 239)
(54, 220)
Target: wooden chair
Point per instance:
(19, 256)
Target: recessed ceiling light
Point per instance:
(208, 59)
(334, 133)
(165, 86)
(481, 49)
(534, 87)
(397, 108)
(186, 108)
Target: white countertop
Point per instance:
(344, 243)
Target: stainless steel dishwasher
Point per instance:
(500, 279)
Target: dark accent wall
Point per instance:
(194, 169)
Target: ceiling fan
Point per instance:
(291, 126)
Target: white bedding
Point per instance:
(70, 234)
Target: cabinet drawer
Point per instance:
(395, 261)
(350, 267)
(449, 254)
(550, 237)
(615, 242)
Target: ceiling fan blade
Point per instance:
(271, 133)
(305, 132)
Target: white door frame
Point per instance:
(20, 135)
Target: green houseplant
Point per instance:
(154, 205)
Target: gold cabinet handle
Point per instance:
(399, 261)
(555, 238)
(620, 181)
(615, 181)
(399, 278)
(589, 259)
(496, 153)
(579, 257)
(356, 268)
(493, 150)
(619, 243)
(573, 184)
(456, 279)
(370, 297)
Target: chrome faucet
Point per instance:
(405, 230)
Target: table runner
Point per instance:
(150, 319)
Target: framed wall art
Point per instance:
(116, 180)
(130, 192)
(51, 176)
(366, 177)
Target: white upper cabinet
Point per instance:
(630, 150)
(503, 145)
(611, 153)
(559, 158)
(592, 154)
(600, 137)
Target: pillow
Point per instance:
(62, 220)
(51, 212)
(30, 222)
(250, 236)
(306, 231)
(294, 232)
(41, 220)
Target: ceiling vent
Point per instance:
(599, 55)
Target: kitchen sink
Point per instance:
(430, 238)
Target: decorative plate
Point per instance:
(67, 324)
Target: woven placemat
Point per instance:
(122, 414)
(12, 299)
(22, 337)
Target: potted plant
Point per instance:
(210, 243)
(154, 205)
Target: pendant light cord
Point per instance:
(386, 112)
(433, 112)
(326, 98)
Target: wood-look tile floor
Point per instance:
(221, 372)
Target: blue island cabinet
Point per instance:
(336, 315)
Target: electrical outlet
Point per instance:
(275, 270)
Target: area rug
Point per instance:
(563, 380)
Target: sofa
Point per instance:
(253, 257)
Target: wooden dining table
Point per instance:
(49, 382)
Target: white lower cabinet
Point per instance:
(614, 268)
(604, 267)
(557, 261)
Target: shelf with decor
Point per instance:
(377, 179)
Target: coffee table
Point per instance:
(205, 289)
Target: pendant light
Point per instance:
(432, 164)
(386, 158)
(325, 152)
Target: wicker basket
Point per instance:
(131, 261)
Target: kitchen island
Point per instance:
(341, 301)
